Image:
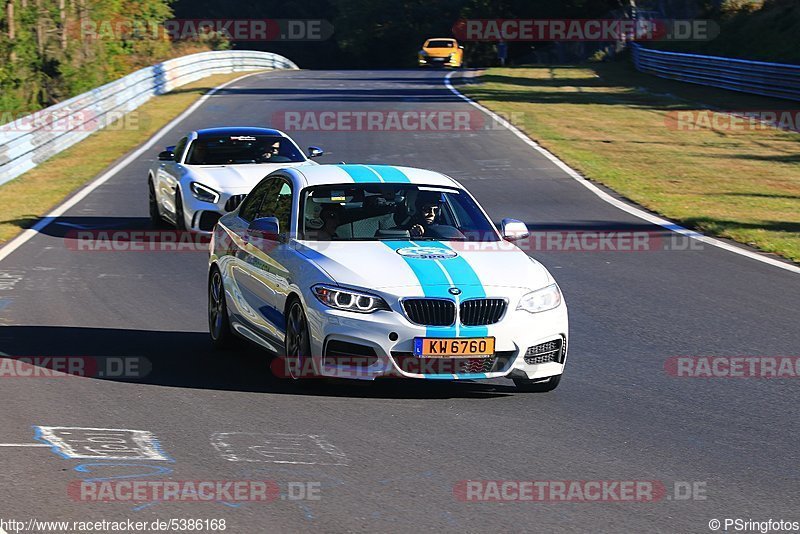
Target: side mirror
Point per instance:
(315, 152)
(513, 230)
(461, 47)
(167, 155)
(263, 229)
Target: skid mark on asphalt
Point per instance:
(304, 449)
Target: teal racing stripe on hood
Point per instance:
(436, 277)
(391, 175)
(361, 173)
(466, 279)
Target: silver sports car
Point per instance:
(209, 172)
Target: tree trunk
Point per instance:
(12, 28)
(62, 10)
(83, 16)
(40, 27)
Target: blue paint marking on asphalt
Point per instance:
(37, 435)
(306, 511)
(155, 470)
(157, 446)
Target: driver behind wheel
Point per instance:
(428, 207)
(270, 152)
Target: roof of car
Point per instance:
(238, 130)
(356, 173)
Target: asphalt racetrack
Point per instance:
(395, 455)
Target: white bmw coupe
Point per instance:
(366, 271)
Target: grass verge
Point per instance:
(619, 127)
(31, 196)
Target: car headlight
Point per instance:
(349, 300)
(201, 192)
(541, 300)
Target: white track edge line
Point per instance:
(29, 233)
(636, 212)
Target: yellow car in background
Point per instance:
(441, 52)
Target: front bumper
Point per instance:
(201, 216)
(389, 336)
(436, 62)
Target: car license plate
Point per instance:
(427, 347)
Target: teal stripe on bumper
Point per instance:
(464, 376)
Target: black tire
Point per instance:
(180, 220)
(155, 217)
(297, 345)
(537, 386)
(219, 324)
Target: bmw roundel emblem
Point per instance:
(427, 253)
(454, 291)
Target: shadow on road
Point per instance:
(187, 360)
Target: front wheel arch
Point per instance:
(180, 216)
(290, 298)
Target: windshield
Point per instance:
(439, 44)
(372, 212)
(242, 150)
